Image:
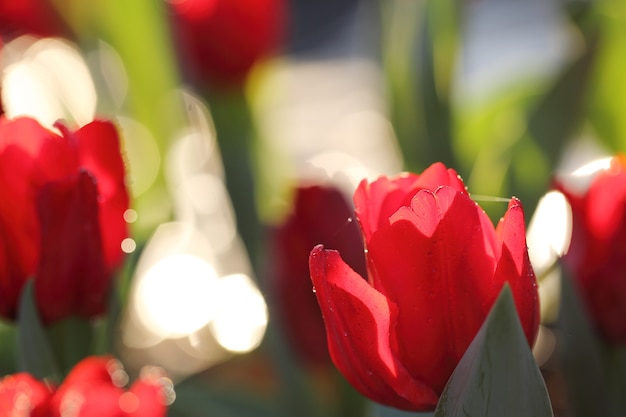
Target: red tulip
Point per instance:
(93, 388)
(223, 39)
(320, 214)
(62, 218)
(597, 254)
(21, 395)
(435, 266)
(36, 17)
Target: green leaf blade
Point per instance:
(497, 375)
(34, 353)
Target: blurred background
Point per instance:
(234, 114)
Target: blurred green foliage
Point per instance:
(512, 142)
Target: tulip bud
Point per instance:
(436, 265)
(320, 214)
(63, 219)
(596, 258)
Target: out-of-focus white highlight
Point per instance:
(241, 315)
(544, 345)
(548, 237)
(549, 231)
(193, 302)
(130, 216)
(313, 115)
(177, 295)
(186, 311)
(593, 167)
(581, 163)
(309, 107)
(48, 80)
(128, 245)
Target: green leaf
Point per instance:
(497, 375)
(34, 353)
(8, 349)
(580, 356)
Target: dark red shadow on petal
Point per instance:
(71, 278)
(321, 215)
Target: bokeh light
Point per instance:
(241, 314)
(177, 295)
(47, 79)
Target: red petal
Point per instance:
(71, 277)
(606, 203)
(604, 292)
(514, 267)
(358, 322)
(376, 202)
(35, 156)
(431, 261)
(320, 216)
(33, 396)
(438, 175)
(145, 398)
(88, 390)
(99, 153)
(93, 370)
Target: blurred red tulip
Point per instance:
(35, 17)
(62, 222)
(21, 395)
(222, 39)
(320, 215)
(597, 254)
(436, 265)
(93, 388)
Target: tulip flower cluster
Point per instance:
(63, 221)
(94, 387)
(435, 267)
(422, 303)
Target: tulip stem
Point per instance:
(71, 340)
(616, 367)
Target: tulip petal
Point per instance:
(431, 261)
(358, 322)
(147, 397)
(376, 202)
(606, 203)
(71, 277)
(23, 395)
(438, 175)
(34, 155)
(89, 389)
(99, 153)
(320, 216)
(514, 267)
